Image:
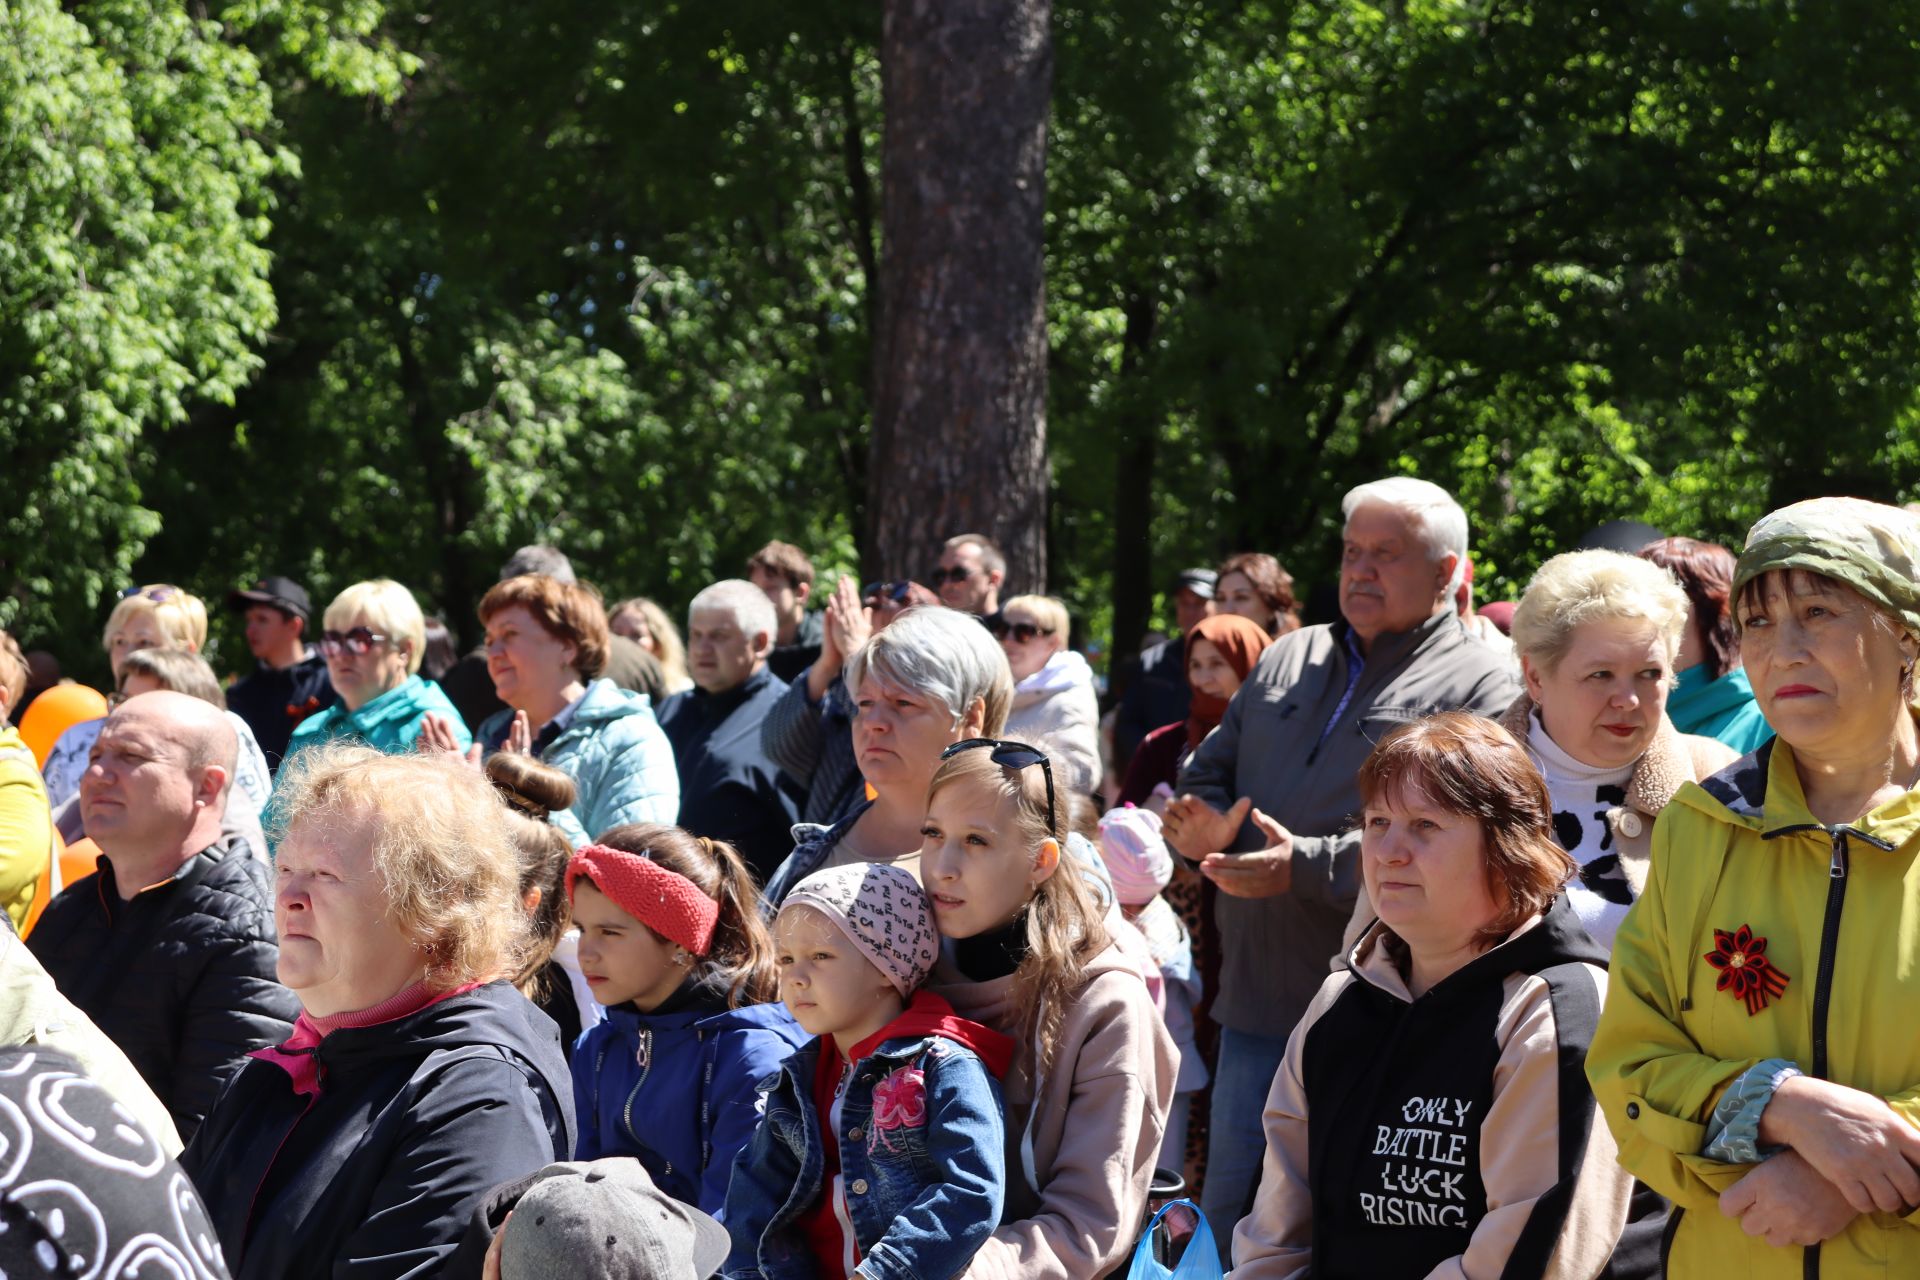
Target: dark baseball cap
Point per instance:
(283, 594)
(1199, 581)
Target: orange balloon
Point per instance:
(54, 712)
(78, 861)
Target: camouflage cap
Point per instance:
(1868, 546)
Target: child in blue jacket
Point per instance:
(881, 1154)
(672, 943)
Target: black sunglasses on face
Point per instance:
(955, 574)
(1022, 632)
(358, 641)
(1014, 755)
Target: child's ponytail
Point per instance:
(742, 947)
(742, 950)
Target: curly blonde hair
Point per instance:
(442, 847)
(1578, 587)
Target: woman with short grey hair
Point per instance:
(932, 678)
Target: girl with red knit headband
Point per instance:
(672, 943)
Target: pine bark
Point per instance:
(960, 351)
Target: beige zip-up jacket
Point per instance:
(1082, 1139)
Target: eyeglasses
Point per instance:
(358, 641)
(955, 574)
(1014, 755)
(159, 595)
(1022, 632)
(890, 592)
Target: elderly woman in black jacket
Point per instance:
(417, 1076)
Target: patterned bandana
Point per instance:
(665, 901)
(882, 911)
(1870, 547)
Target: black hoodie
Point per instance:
(415, 1121)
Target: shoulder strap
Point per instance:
(1576, 1012)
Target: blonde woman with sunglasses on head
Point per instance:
(156, 616)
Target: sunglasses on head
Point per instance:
(358, 641)
(1022, 632)
(955, 574)
(1012, 755)
(887, 592)
(159, 595)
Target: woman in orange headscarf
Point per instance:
(1221, 650)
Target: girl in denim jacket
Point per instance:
(881, 1154)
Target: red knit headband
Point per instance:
(665, 901)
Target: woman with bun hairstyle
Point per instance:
(532, 792)
(673, 944)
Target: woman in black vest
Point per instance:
(1430, 1117)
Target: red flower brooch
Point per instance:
(899, 1102)
(1741, 958)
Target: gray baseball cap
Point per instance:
(605, 1218)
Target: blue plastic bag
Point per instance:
(1200, 1262)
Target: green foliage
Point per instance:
(353, 287)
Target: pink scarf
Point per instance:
(298, 1056)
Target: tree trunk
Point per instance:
(1133, 580)
(960, 353)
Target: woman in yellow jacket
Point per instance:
(1757, 1059)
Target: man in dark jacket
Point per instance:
(1156, 692)
(169, 946)
(290, 683)
(1268, 799)
(783, 571)
(729, 789)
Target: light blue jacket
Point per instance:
(618, 758)
(390, 722)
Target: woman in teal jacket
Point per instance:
(374, 638)
(1712, 697)
(546, 643)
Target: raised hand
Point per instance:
(1260, 874)
(1194, 828)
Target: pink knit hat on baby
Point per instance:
(1135, 854)
(882, 911)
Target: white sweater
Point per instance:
(1057, 710)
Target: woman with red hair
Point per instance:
(1712, 697)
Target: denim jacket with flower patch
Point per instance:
(922, 1159)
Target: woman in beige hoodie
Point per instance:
(1431, 1120)
(1093, 1073)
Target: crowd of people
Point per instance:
(867, 932)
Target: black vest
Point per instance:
(1397, 1093)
